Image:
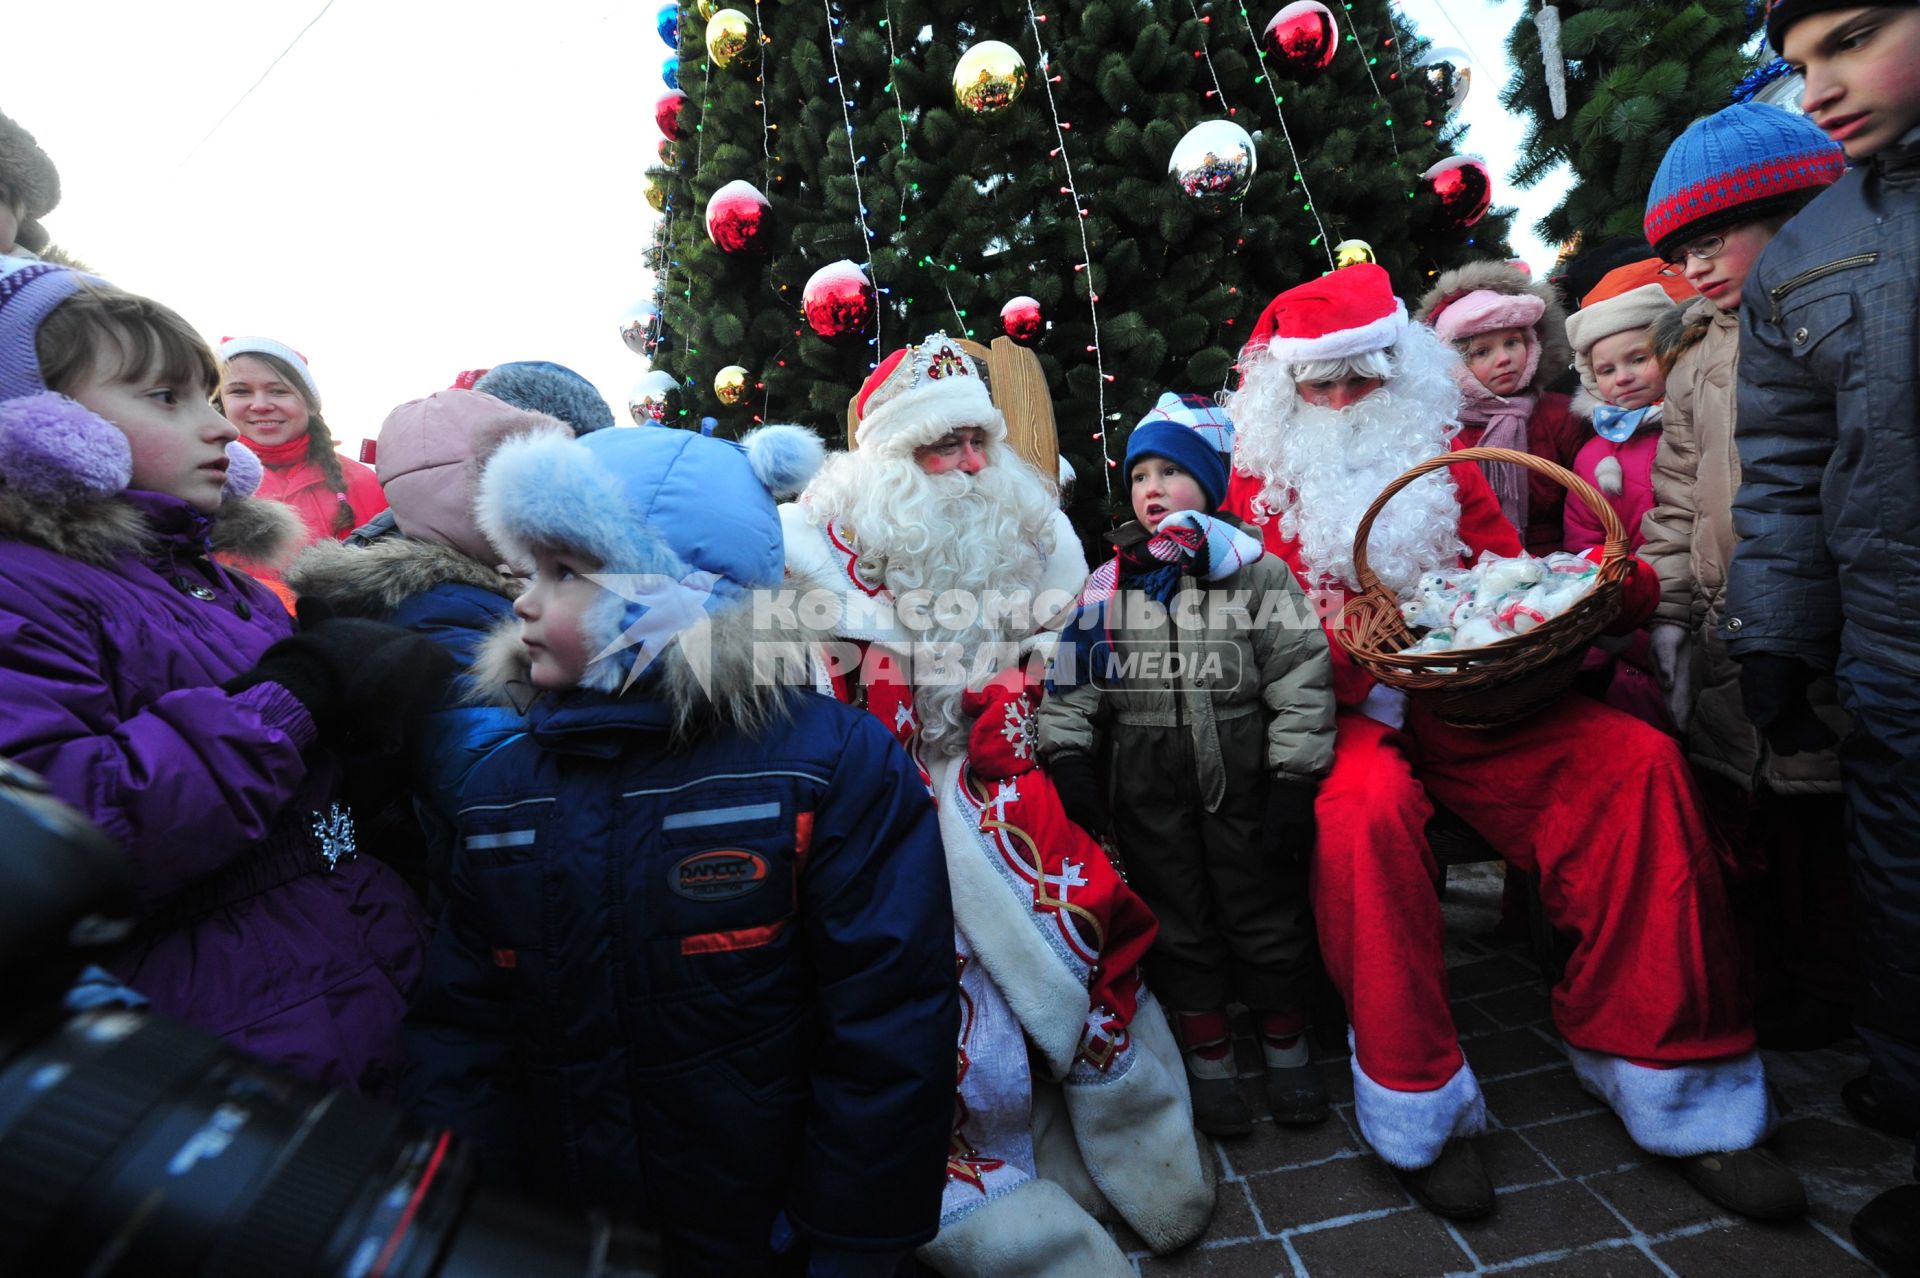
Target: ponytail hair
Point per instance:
(320, 450)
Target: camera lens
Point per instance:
(131, 1145)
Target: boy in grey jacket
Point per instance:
(1827, 573)
(1198, 673)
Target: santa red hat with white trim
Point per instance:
(1342, 314)
(919, 395)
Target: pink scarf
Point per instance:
(1506, 427)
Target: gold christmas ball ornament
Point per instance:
(730, 384)
(1352, 253)
(706, 9)
(988, 78)
(729, 37)
(656, 195)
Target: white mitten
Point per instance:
(1386, 705)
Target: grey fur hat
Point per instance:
(29, 176)
(554, 389)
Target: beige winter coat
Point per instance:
(1689, 542)
(1206, 660)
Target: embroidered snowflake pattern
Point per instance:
(1103, 1038)
(1018, 727)
(333, 830)
(1005, 792)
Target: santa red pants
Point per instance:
(1602, 807)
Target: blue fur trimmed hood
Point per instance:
(681, 524)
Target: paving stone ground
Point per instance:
(1577, 1199)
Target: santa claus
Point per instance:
(941, 557)
(1339, 395)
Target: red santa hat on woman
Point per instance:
(920, 394)
(1342, 314)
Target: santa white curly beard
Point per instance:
(1322, 467)
(982, 535)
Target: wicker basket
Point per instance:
(1501, 682)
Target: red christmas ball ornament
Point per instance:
(1301, 40)
(1463, 186)
(838, 302)
(666, 113)
(739, 219)
(1022, 320)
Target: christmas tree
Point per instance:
(1636, 75)
(1055, 189)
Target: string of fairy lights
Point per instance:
(1102, 377)
(1353, 38)
(760, 76)
(766, 168)
(1299, 174)
(834, 41)
(1217, 91)
(905, 188)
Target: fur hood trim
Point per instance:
(97, 531)
(735, 673)
(102, 529)
(258, 530)
(373, 580)
(1556, 356)
(1681, 328)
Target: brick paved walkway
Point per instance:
(1577, 1198)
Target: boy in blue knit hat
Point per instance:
(696, 964)
(1726, 187)
(1827, 574)
(1195, 678)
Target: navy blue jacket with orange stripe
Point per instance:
(700, 983)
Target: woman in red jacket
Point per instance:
(267, 390)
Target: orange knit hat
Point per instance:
(1624, 279)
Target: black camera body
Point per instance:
(134, 1145)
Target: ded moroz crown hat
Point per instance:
(921, 393)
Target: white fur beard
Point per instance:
(979, 535)
(1322, 467)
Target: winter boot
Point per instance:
(1295, 1093)
(1869, 1110)
(1800, 1022)
(1887, 1231)
(1454, 1185)
(1206, 1046)
(1747, 1182)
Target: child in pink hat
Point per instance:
(1511, 336)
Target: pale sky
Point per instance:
(420, 186)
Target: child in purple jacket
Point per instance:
(160, 694)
